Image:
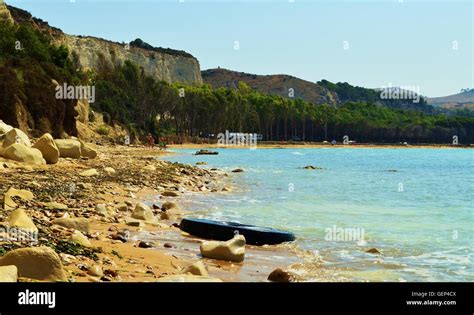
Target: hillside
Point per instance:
(271, 84)
(456, 101)
(316, 93)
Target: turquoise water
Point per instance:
(414, 205)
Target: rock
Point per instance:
(109, 170)
(89, 173)
(206, 152)
(187, 278)
(122, 207)
(201, 163)
(4, 128)
(143, 212)
(149, 168)
(279, 275)
(169, 193)
(144, 244)
(373, 251)
(237, 170)
(9, 204)
(16, 136)
(69, 148)
(48, 148)
(135, 223)
(79, 238)
(80, 224)
(21, 153)
(19, 219)
(311, 167)
(9, 273)
(197, 269)
(95, 271)
(87, 150)
(226, 189)
(231, 250)
(54, 206)
(101, 209)
(85, 185)
(169, 205)
(39, 263)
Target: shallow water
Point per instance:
(414, 205)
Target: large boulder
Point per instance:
(15, 135)
(19, 219)
(80, 224)
(231, 250)
(4, 128)
(39, 263)
(87, 150)
(69, 148)
(48, 148)
(21, 153)
(8, 273)
(143, 212)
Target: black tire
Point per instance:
(223, 231)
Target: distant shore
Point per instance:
(319, 145)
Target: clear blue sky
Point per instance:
(398, 42)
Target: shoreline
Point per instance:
(139, 175)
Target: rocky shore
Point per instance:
(80, 218)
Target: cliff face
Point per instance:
(164, 67)
(172, 67)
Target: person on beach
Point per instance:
(150, 140)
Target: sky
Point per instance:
(423, 44)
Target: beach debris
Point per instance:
(8, 274)
(19, 219)
(48, 148)
(231, 250)
(197, 269)
(280, 275)
(39, 263)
